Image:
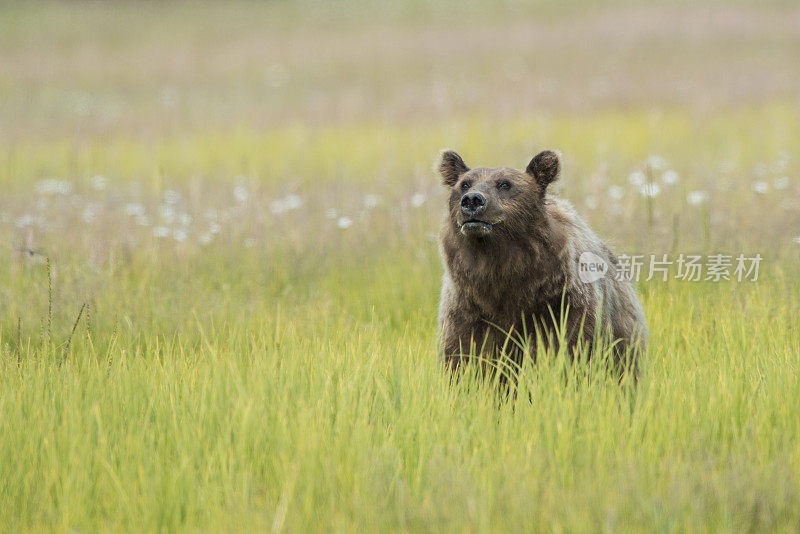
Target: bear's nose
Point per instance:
(473, 204)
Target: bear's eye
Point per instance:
(504, 185)
(465, 185)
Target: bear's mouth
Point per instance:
(476, 228)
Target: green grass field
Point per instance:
(219, 272)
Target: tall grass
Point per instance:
(332, 412)
(219, 279)
(292, 382)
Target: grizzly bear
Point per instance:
(512, 258)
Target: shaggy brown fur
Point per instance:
(511, 256)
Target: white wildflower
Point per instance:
(287, 203)
(637, 178)
(670, 177)
(134, 209)
(782, 163)
(180, 235)
(89, 214)
(241, 194)
(99, 183)
(761, 187)
(782, 182)
(651, 190)
(656, 162)
(418, 199)
(23, 221)
(168, 213)
(205, 238)
(591, 202)
(160, 231)
(277, 207)
(292, 202)
(371, 201)
(695, 198)
(344, 222)
(796, 239)
(616, 192)
(53, 186)
(331, 213)
(214, 228)
(171, 196)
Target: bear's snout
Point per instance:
(473, 204)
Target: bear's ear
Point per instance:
(450, 167)
(544, 168)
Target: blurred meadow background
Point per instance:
(219, 271)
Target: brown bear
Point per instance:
(513, 256)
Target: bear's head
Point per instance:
(492, 204)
